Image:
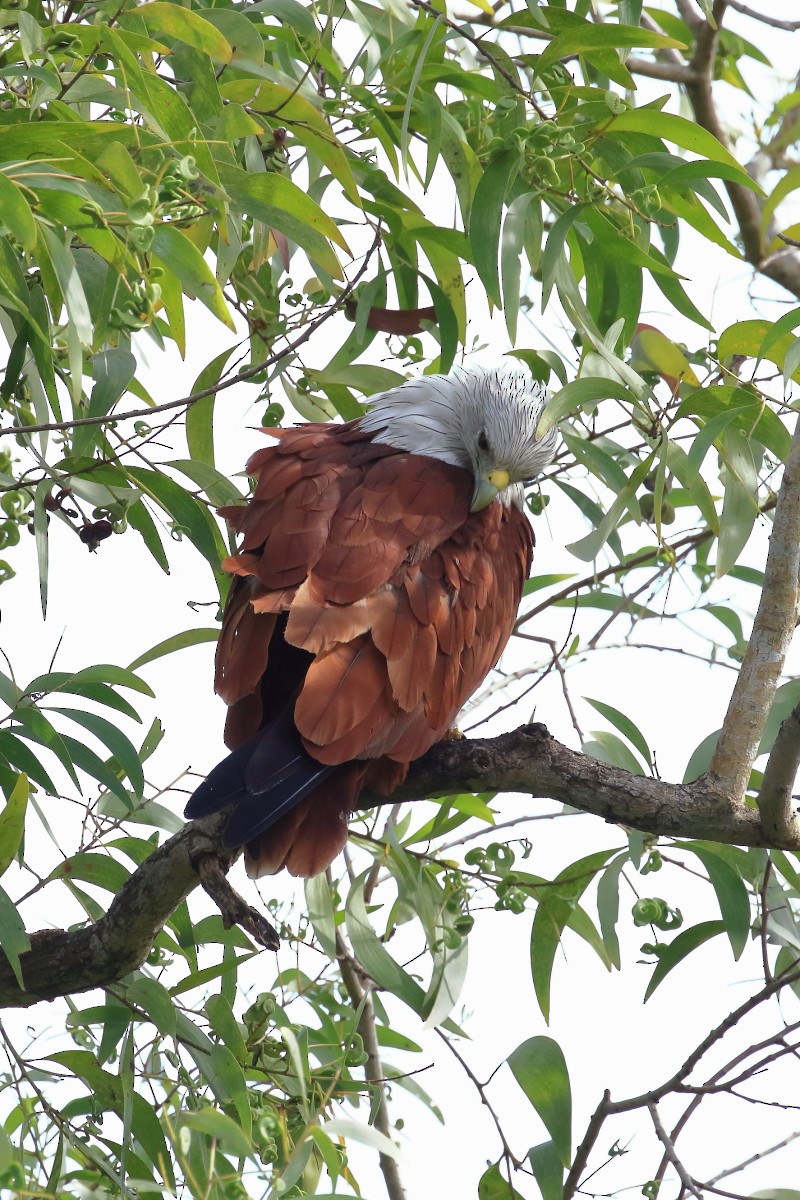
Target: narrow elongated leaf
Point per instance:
(151, 996)
(493, 1185)
(87, 760)
(484, 225)
(376, 960)
(366, 1134)
(180, 255)
(100, 869)
(35, 725)
(14, 941)
(112, 371)
(184, 24)
(12, 822)
(178, 641)
(608, 906)
(732, 895)
(682, 945)
(539, 1067)
(16, 213)
(190, 516)
(579, 392)
(552, 916)
(587, 37)
(20, 755)
(319, 905)
(114, 739)
(686, 134)
(200, 415)
(626, 727)
(548, 1170)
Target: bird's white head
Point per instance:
(485, 421)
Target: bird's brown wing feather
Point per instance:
(402, 600)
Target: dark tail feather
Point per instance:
(265, 778)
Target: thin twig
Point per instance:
(671, 1153)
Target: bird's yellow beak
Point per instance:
(487, 487)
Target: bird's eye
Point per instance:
(483, 441)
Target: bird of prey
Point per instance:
(376, 584)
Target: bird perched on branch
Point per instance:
(377, 581)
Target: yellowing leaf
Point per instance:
(187, 26)
(652, 350)
(12, 822)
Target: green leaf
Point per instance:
(686, 134)
(513, 241)
(184, 24)
(12, 822)
(306, 123)
(548, 1170)
(219, 489)
(226, 1027)
(178, 254)
(282, 205)
(608, 748)
(626, 727)
(90, 867)
(139, 518)
(553, 254)
(190, 516)
(585, 391)
(701, 756)
(35, 725)
(178, 641)
(552, 916)
(200, 414)
(16, 213)
(319, 906)
(608, 906)
(539, 1067)
(740, 505)
(587, 37)
(154, 999)
(40, 519)
(375, 959)
(112, 371)
(229, 1076)
(419, 65)
(748, 414)
(682, 945)
(587, 548)
(786, 698)
(732, 895)
(20, 756)
(121, 747)
(758, 339)
(484, 225)
(493, 1185)
(367, 1135)
(85, 759)
(14, 941)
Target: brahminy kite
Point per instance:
(380, 569)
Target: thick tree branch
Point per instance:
(773, 628)
(62, 962)
(775, 798)
(528, 760)
(783, 267)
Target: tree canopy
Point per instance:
(354, 192)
